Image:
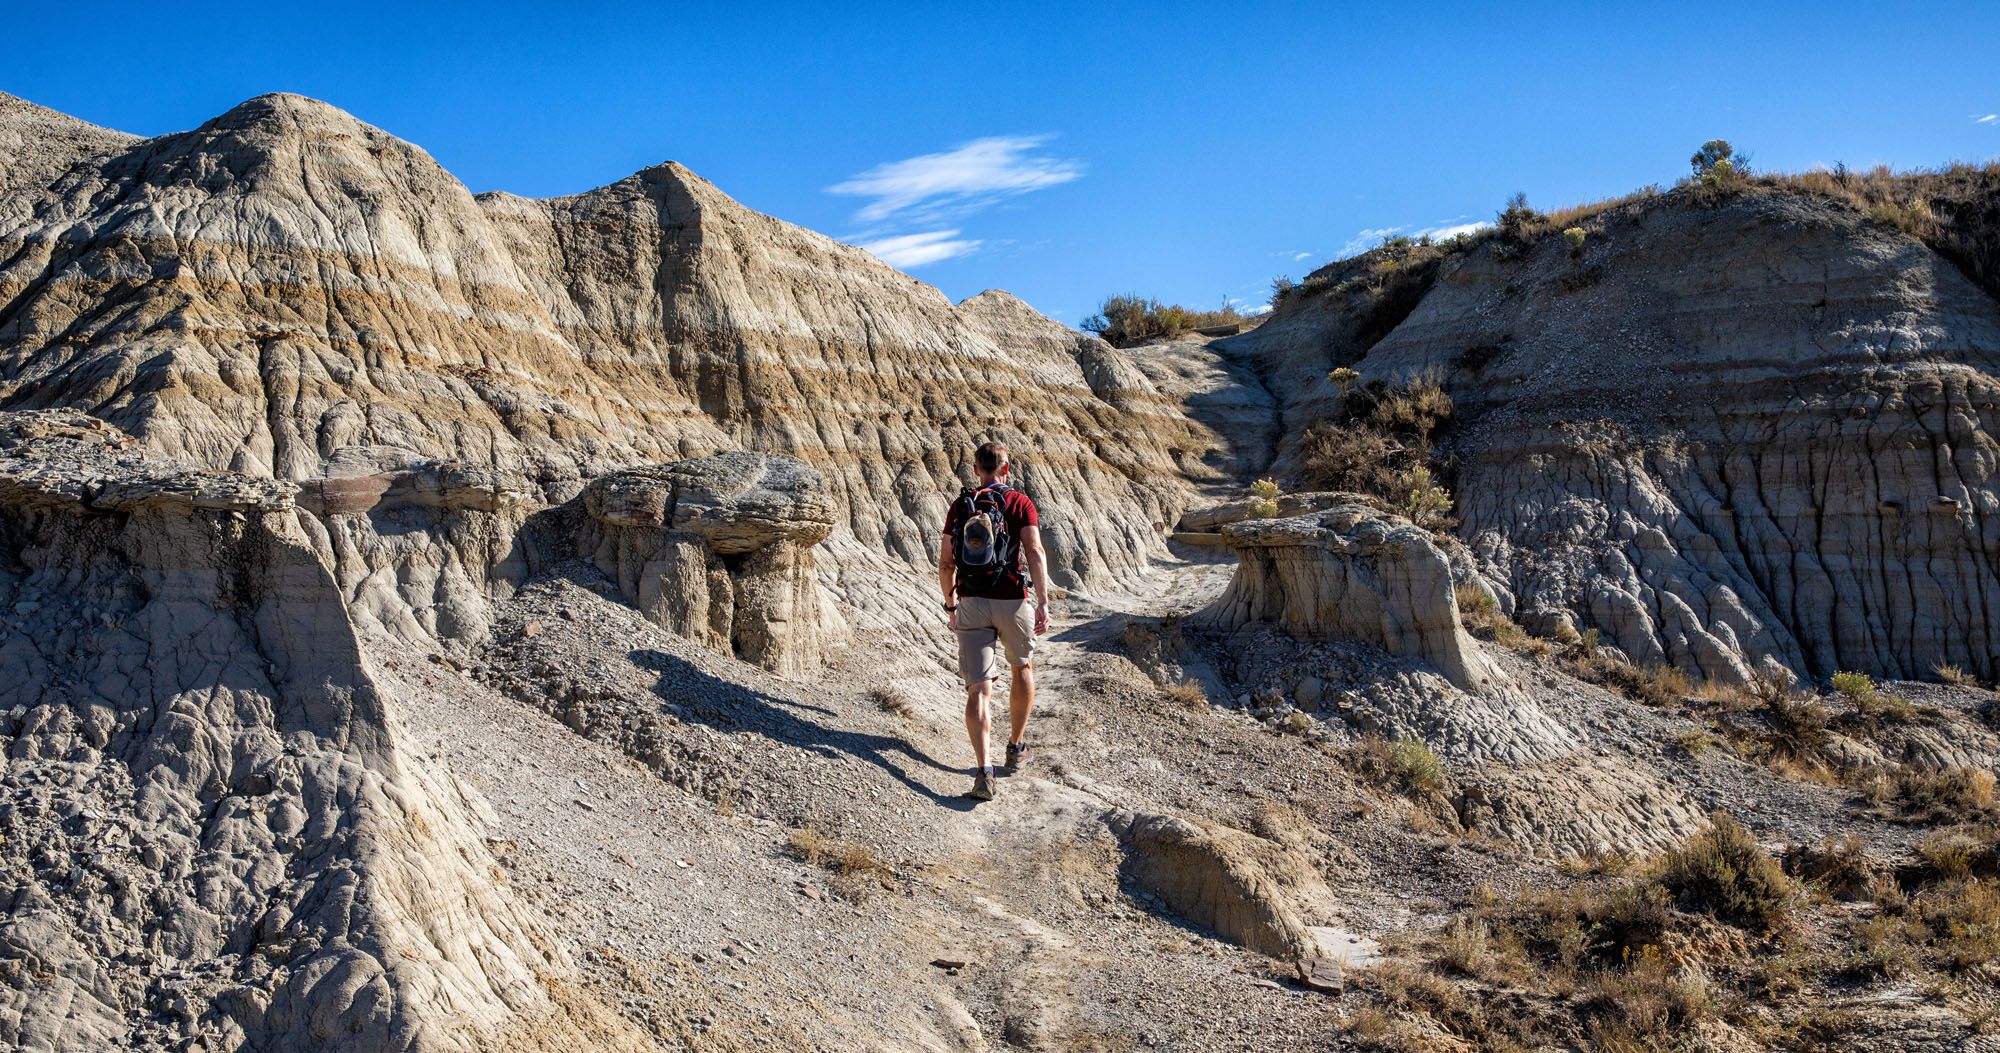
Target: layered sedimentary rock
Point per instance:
(285, 283)
(421, 547)
(1351, 572)
(210, 833)
(719, 550)
(1719, 436)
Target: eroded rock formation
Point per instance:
(284, 283)
(1246, 889)
(210, 831)
(1351, 572)
(1762, 430)
(718, 549)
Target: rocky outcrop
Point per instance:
(1245, 889)
(1759, 431)
(210, 834)
(718, 549)
(284, 284)
(1351, 572)
(421, 548)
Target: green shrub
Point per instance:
(1719, 172)
(1723, 871)
(1281, 287)
(1712, 155)
(1415, 766)
(1380, 436)
(1424, 502)
(1264, 508)
(1129, 319)
(1854, 685)
(1266, 487)
(1518, 226)
(1574, 237)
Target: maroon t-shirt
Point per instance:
(1008, 582)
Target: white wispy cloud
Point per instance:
(1364, 240)
(1367, 239)
(965, 177)
(1988, 118)
(1441, 233)
(915, 250)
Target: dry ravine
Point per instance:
(451, 622)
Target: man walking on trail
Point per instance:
(986, 534)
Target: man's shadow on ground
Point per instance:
(730, 707)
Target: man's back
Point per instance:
(1007, 580)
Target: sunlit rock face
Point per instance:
(1761, 432)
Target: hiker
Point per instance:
(987, 532)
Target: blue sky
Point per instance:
(1067, 151)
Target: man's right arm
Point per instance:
(948, 576)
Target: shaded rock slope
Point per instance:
(1761, 430)
(211, 831)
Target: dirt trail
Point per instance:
(647, 793)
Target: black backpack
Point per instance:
(984, 546)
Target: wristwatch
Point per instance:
(951, 606)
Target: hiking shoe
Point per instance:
(982, 788)
(1018, 754)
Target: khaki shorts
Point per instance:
(982, 621)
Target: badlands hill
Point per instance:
(453, 622)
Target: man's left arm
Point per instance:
(1038, 568)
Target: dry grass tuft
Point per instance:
(1954, 795)
(1693, 741)
(1188, 693)
(893, 700)
(1841, 868)
(1723, 871)
(858, 867)
(1403, 764)
(1661, 686)
(1962, 852)
(1713, 941)
(1954, 675)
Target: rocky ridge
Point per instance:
(1781, 451)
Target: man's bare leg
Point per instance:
(1020, 701)
(978, 722)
